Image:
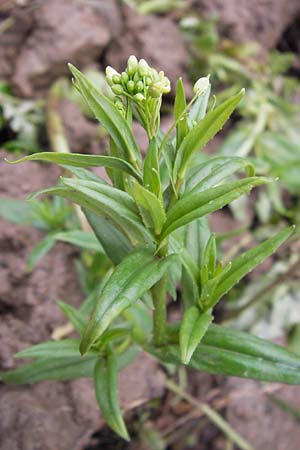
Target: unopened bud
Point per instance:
(148, 81)
(110, 72)
(139, 97)
(132, 65)
(156, 90)
(124, 77)
(116, 78)
(136, 77)
(139, 87)
(201, 85)
(130, 86)
(117, 89)
(143, 68)
(119, 103)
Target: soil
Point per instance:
(40, 39)
(262, 21)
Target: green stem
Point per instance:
(173, 126)
(159, 292)
(159, 296)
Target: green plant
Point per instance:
(152, 223)
(22, 118)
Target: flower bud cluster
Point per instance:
(139, 81)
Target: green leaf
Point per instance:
(193, 327)
(106, 388)
(246, 262)
(77, 319)
(196, 235)
(210, 255)
(225, 351)
(190, 273)
(212, 172)
(84, 174)
(180, 113)
(81, 239)
(80, 160)
(205, 130)
(109, 116)
(16, 211)
(59, 349)
(114, 205)
(150, 207)
(194, 205)
(151, 170)
(52, 368)
(117, 177)
(40, 250)
(116, 245)
(62, 363)
(131, 279)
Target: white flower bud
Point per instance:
(110, 72)
(139, 97)
(132, 65)
(143, 68)
(201, 86)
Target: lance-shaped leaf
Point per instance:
(131, 279)
(190, 273)
(151, 170)
(77, 318)
(194, 205)
(210, 255)
(212, 172)
(59, 360)
(79, 160)
(116, 245)
(225, 351)
(82, 239)
(246, 262)
(180, 113)
(59, 349)
(40, 250)
(19, 212)
(106, 388)
(112, 204)
(196, 235)
(150, 207)
(205, 130)
(193, 327)
(52, 368)
(109, 116)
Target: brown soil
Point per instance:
(263, 21)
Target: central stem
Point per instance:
(159, 296)
(159, 292)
